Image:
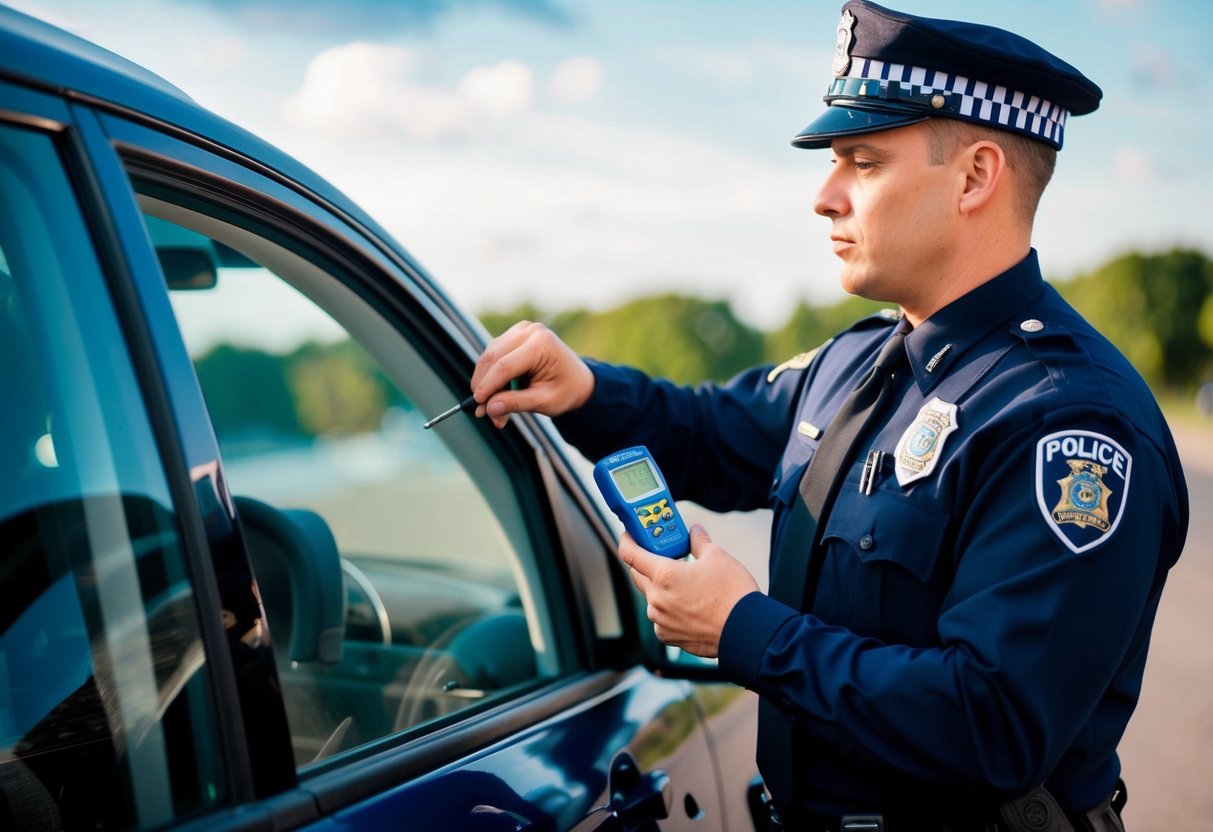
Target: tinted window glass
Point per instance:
(399, 579)
(104, 702)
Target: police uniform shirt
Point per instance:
(984, 606)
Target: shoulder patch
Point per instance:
(1082, 485)
(797, 362)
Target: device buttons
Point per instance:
(658, 531)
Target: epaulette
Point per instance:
(1037, 333)
(1055, 347)
(799, 361)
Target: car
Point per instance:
(241, 586)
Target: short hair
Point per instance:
(1031, 159)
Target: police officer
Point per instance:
(976, 499)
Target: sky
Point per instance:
(573, 153)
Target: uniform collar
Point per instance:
(936, 344)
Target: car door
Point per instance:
(112, 670)
(453, 644)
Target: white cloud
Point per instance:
(221, 55)
(576, 80)
(735, 68)
(1133, 164)
(594, 216)
(365, 90)
(500, 90)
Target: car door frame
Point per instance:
(109, 142)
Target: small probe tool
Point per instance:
(466, 405)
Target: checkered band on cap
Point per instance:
(946, 94)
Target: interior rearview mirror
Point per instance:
(187, 268)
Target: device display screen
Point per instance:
(635, 479)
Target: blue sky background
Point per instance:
(582, 153)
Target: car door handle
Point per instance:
(493, 818)
(648, 800)
(637, 800)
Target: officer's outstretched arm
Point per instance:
(554, 378)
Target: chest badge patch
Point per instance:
(1082, 481)
(920, 446)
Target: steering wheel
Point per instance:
(378, 615)
(471, 660)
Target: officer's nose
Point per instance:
(831, 197)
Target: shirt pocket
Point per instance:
(887, 527)
(884, 573)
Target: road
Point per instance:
(1164, 751)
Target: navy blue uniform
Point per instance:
(982, 616)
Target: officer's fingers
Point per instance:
(640, 582)
(648, 565)
(558, 380)
(503, 344)
(700, 541)
(506, 365)
(538, 398)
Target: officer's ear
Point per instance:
(984, 164)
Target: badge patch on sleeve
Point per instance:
(1082, 482)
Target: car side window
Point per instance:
(399, 578)
(104, 699)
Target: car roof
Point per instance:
(49, 56)
(41, 55)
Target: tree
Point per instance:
(1154, 308)
(247, 391)
(810, 326)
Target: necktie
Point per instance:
(828, 467)
(795, 567)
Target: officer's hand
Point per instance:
(689, 600)
(554, 378)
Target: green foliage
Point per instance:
(318, 389)
(684, 339)
(498, 322)
(335, 389)
(810, 326)
(1157, 309)
(247, 392)
(680, 338)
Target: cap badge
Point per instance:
(842, 49)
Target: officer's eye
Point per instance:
(863, 164)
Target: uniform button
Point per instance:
(866, 542)
(1031, 325)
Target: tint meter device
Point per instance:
(636, 491)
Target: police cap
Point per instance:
(892, 69)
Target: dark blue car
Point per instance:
(240, 586)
